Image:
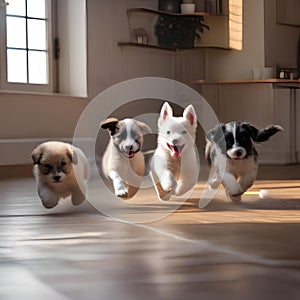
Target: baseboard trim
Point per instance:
(18, 151)
(275, 158)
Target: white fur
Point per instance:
(236, 175)
(175, 172)
(126, 173)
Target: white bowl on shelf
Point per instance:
(187, 8)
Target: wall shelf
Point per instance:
(159, 12)
(169, 31)
(143, 46)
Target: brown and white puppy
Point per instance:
(123, 162)
(60, 170)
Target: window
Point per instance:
(25, 49)
(29, 32)
(236, 24)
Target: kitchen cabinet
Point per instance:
(297, 125)
(288, 12)
(261, 104)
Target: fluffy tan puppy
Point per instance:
(60, 170)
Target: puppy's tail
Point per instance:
(264, 134)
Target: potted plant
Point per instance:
(179, 32)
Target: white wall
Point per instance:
(71, 19)
(38, 116)
(27, 116)
(110, 64)
(281, 40)
(225, 65)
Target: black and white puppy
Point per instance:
(123, 162)
(232, 157)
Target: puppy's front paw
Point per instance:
(168, 184)
(235, 198)
(214, 183)
(77, 198)
(120, 187)
(49, 202)
(178, 191)
(164, 197)
(48, 198)
(121, 192)
(235, 190)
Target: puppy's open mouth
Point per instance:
(129, 154)
(57, 181)
(176, 150)
(237, 158)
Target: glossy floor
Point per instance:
(223, 251)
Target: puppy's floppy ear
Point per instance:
(144, 127)
(265, 133)
(72, 155)
(111, 124)
(190, 115)
(216, 134)
(36, 155)
(166, 111)
(251, 130)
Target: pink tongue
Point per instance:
(175, 151)
(130, 154)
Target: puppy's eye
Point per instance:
(47, 166)
(168, 132)
(63, 164)
(184, 132)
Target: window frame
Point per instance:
(27, 87)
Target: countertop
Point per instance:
(246, 81)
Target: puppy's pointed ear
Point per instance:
(36, 155)
(72, 155)
(111, 124)
(144, 127)
(264, 134)
(190, 115)
(166, 111)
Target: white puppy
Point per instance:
(123, 162)
(60, 170)
(175, 164)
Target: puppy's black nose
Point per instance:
(239, 153)
(128, 147)
(56, 178)
(175, 141)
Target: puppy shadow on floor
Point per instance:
(250, 201)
